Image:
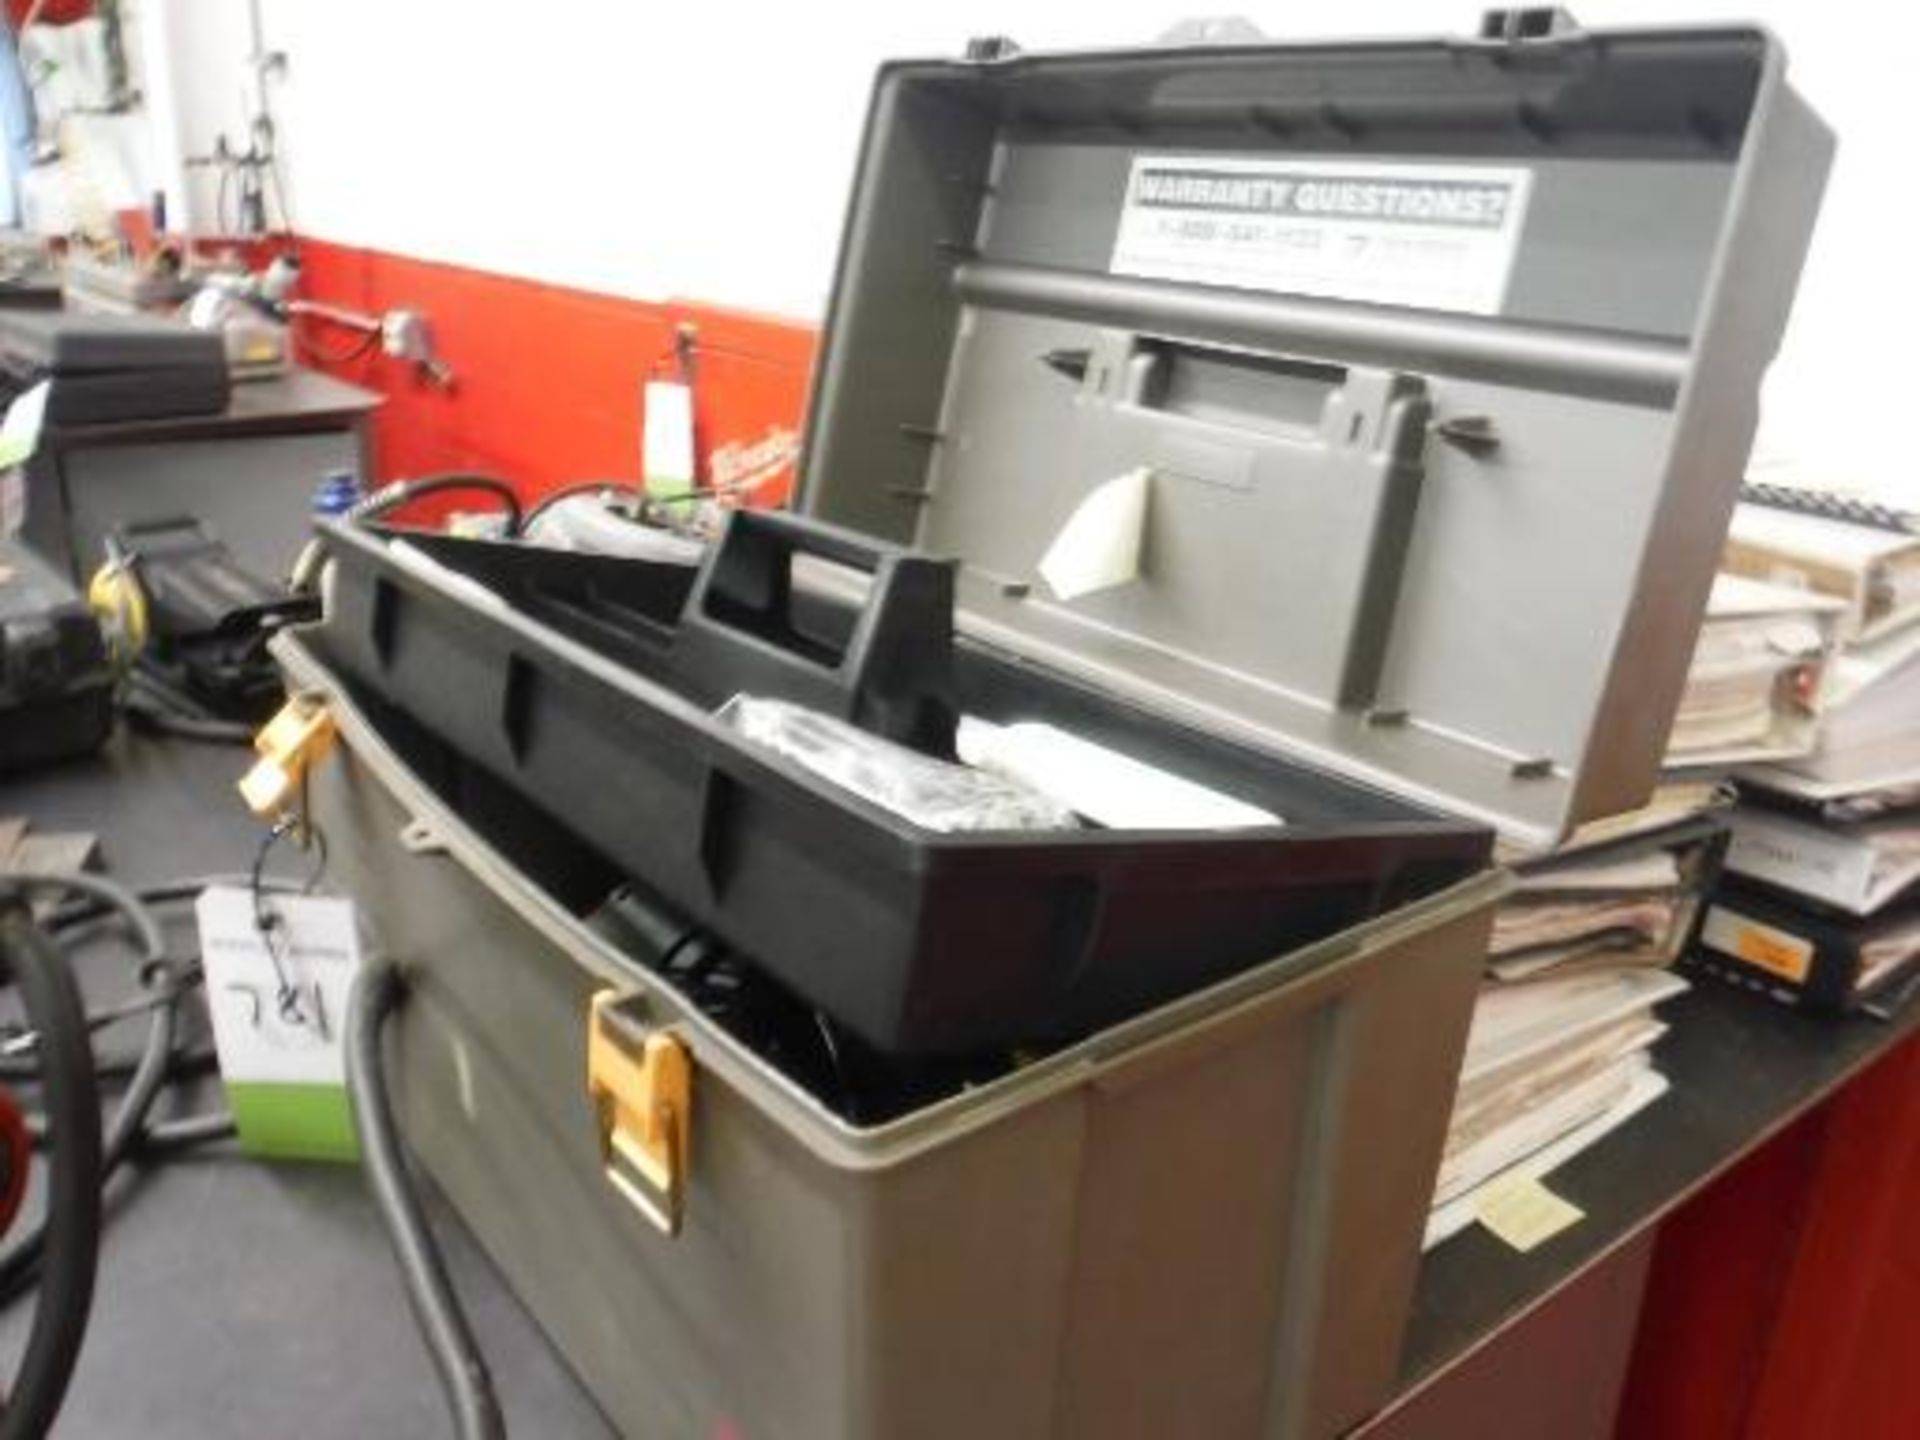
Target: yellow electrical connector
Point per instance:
(120, 604)
(642, 1092)
(288, 746)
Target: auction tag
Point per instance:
(1438, 237)
(667, 449)
(1523, 1212)
(279, 970)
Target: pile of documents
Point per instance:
(1804, 697)
(1582, 951)
(1551, 1068)
(1821, 906)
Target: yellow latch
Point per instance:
(289, 744)
(642, 1092)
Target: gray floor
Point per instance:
(238, 1298)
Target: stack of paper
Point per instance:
(1620, 892)
(1559, 1055)
(1821, 906)
(1824, 865)
(1805, 677)
(1551, 1067)
(1610, 912)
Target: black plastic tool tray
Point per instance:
(579, 681)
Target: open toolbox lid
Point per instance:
(1442, 359)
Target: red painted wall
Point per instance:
(54, 12)
(547, 380)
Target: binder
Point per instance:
(1755, 688)
(1595, 886)
(1875, 570)
(1856, 866)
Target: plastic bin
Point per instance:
(1430, 528)
(1204, 1221)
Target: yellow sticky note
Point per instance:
(1523, 1212)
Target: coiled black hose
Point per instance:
(69, 1242)
(22, 1264)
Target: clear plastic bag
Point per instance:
(934, 794)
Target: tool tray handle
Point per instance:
(744, 630)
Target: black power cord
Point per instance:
(391, 496)
(573, 491)
(61, 1254)
(25, 1260)
(70, 1240)
(153, 702)
(403, 492)
(449, 1339)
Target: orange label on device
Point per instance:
(1762, 946)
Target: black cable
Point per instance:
(268, 924)
(305, 576)
(280, 202)
(187, 1064)
(402, 492)
(158, 720)
(170, 1137)
(149, 678)
(109, 896)
(359, 350)
(71, 1236)
(443, 1326)
(166, 986)
(154, 701)
(84, 908)
(220, 200)
(584, 487)
(28, 1041)
(22, 1262)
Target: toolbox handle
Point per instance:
(742, 631)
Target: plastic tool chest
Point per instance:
(1424, 550)
(1440, 361)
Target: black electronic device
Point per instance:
(1808, 955)
(204, 619)
(56, 683)
(109, 368)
